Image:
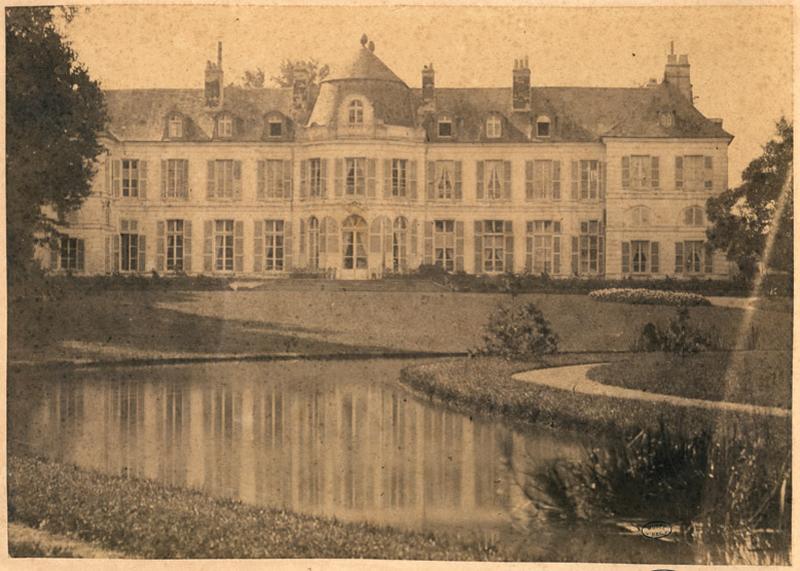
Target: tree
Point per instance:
(286, 76)
(742, 217)
(54, 112)
(253, 78)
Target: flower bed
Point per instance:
(648, 296)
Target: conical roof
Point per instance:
(364, 65)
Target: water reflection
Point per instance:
(338, 439)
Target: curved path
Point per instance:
(575, 378)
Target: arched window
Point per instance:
(313, 243)
(543, 126)
(175, 126)
(694, 216)
(356, 112)
(494, 127)
(354, 242)
(224, 125)
(640, 216)
(400, 244)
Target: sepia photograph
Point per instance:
(399, 283)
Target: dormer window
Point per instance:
(356, 112)
(445, 126)
(275, 125)
(225, 125)
(175, 126)
(494, 127)
(543, 126)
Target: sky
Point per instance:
(741, 56)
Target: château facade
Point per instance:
(364, 175)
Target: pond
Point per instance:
(329, 438)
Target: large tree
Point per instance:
(316, 73)
(54, 113)
(744, 217)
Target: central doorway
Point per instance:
(355, 265)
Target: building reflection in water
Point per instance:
(336, 440)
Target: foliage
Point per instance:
(316, 73)
(742, 217)
(54, 112)
(253, 78)
(648, 297)
(147, 519)
(519, 332)
(678, 337)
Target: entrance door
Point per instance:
(354, 241)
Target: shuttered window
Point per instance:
(224, 179)
(590, 254)
(223, 245)
(355, 176)
(694, 172)
(494, 245)
(543, 247)
(542, 180)
(70, 255)
(444, 244)
(132, 247)
(641, 172)
(175, 179)
(274, 180)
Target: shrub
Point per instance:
(678, 337)
(648, 296)
(519, 332)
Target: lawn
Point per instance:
(752, 377)
(327, 317)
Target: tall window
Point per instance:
(543, 245)
(175, 127)
(445, 126)
(640, 251)
(444, 180)
(693, 255)
(493, 246)
(273, 245)
(130, 178)
(223, 245)
(313, 243)
(542, 179)
(225, 125)
(591, 247)
(640, 257)
(315, 177)
(399, 177)
(494, 127)
(590, 179)
(176, 180)
(493, 175)
(223, 181)
(354, 230)
(71, 253)
(274, 179)
(694, 172)
(640, 172)
(694, 216)
(399, 235)
(356, 112)
(355, 182)
(174, 245)
(129, 246)
(542, 126)
(444, 244)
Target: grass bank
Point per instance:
(144, 519)
(485, 385)
(753, 377)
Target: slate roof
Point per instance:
(364, 65)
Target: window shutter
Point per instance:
(143, 176)
(142, 253)
(187, 246)
(430, 177)
(529, 247)
(556, 180)
(708, 173)
(626, 172)
(116, 182)
(556, 255)
(626, 257)
(508, 231)
(287, 245)
(371, 174)
(115, 252)
(160, 246)
(387, 179)
(304, 179)
(210, 182)
(55, 250)
(507, 180)
(208, 245)
(709, 259)
(479, 179)
(107, 254)
(654, 172)
(529, 180)
(654, 261)
(459, 246)
(238, 246)
(261, 183)
(575, 253)
(287, 179)
(428, 242)
(184, 189)
(164, 172)
(237, 180)
(258, 246)
(376, 231)
(323, 183)
(678, 257)
(302, 236)
(478, 246)
(338, 174)
(602, 176)
(107, 170)
(412, 165)
(458, 194)
(601, 251)
(333, 237)
(575, 180)
(679, 172)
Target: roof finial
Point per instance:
(364, 40)
(371, 46)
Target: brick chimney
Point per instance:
(676, 73)
(214, 85)
(301, 88)
(521, 91)
(428, 76)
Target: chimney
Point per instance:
(427, 83)
(300, 88)
(676, 73)
(213, 90)
(521, 91)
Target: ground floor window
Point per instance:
(494, 246)
(693, 257)
(70, 254)
(223, 245)
(399, 241)
(543, 247)
(131, 247)
(587, 249)
(354, 238)
(444, 244)
(313, 243)
(175, 231)
(274, 245)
